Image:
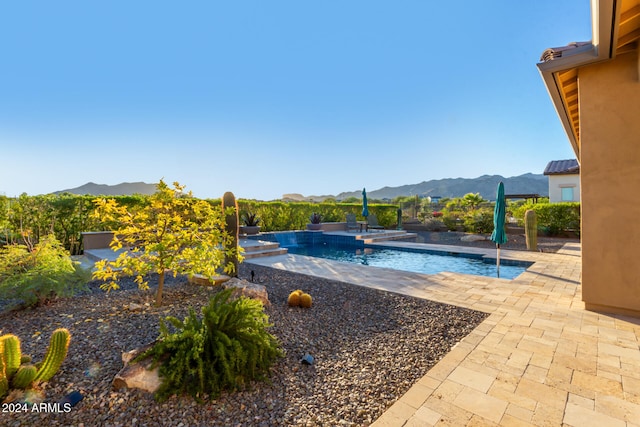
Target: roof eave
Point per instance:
(581, 56)
(601, 48)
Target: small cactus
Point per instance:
(11, 351)
(531, 230)
(24, 377)
(232, 227)
(294, 298)
(305, 300)
(16, 371)
(4, 381)
(57, 351)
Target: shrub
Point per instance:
(451, 219)
(479, 221)
(33, 277)
(224, 350)
(553, 218)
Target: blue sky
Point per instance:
(264, 98)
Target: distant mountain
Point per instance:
(123, 189)
(296, 197)
(453, 187)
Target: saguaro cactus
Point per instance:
(232, 227)
(531, 230)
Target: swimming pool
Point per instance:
(418, 262)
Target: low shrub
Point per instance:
(479, 221)
(224, 350)
(452, 220)
(33, 277)
(553, 218)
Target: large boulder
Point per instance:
(248, 289)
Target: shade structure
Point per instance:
(365, 209)
(499, 236)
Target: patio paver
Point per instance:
(538, 359)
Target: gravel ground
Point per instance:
(369, 347)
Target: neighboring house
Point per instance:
(595, 89)
(564, 180)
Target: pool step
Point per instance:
(260, 248)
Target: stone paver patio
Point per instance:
(538, 359)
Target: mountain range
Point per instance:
(123, 189)
(485, 185)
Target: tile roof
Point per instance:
(562, 167)
(557, 52)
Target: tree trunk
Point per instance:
(160, 286)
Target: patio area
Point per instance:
(538, 359)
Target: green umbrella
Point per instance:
(365, 209)
(499, 236)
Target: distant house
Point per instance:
(564, 180)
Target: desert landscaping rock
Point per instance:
(369, 347)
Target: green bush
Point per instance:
(553, 218)
(450, 219)
(224, 350)
(282, 216)
(26, 218)
(479, 221)
(32, 277)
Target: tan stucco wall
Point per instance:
(610, 178)
(96, 239)
(557, 182)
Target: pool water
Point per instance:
(417, 262)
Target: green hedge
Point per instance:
(281, 216)
(553, 218)
(68, 215)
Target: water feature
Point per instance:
(287, 239)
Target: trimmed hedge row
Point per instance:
(68, 215)
(280, 216)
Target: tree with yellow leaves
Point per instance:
(175, 232)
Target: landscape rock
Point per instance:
(248, 289)
(200, 279)
(139, 374)
(473, 238)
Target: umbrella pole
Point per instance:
(498, 259)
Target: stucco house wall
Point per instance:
(609, 94)
(558, 182)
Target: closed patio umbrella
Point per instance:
(499, 236)
(365, 209)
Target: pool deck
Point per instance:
(538, 359)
